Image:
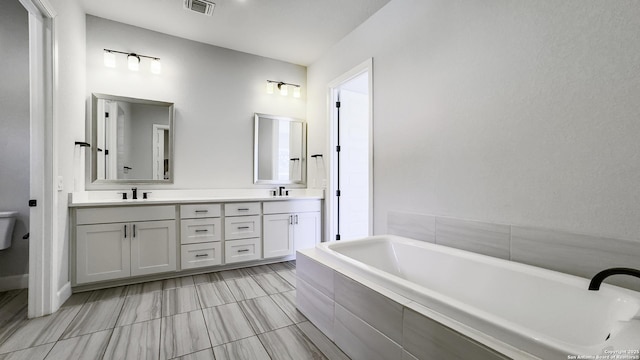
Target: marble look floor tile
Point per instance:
(180, 282)
(287, 302)
(271, 283)
(14, 307)
(144, 288)
(323, 343)
(264, 315)
(76, 300)
(34, 353)
(89, 346)
(245, 288)
(233, 274)
(95, 316)
(107, 294)
(289, 343)
(7, 296)
(208, 278)
(139, 308)
(282, 266)
(214, 294)
(226, 323)
(198, 355)
(180, 300)
(288, 275)
(136, 341)
(246, 349)
(256, 270)
(37, 331)
(183, 334)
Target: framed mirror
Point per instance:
(279, 150)
(131, 141)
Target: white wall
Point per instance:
(70, 117)
(216, 91)
(514, 112)
(14, 132)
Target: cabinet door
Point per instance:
(153, 247)
(102, 252)
(277, 235)
(306, 230)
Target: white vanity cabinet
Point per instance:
(242, 229)
(200, 235)
(119, 242)
(289, 226)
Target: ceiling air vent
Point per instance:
(200, 6)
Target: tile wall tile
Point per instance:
(316, 306)
(414, 226)
(360, 341)
(581, 255)
(479, 237)
(315, 274)
(377, 310)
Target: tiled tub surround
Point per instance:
(567, 252)
(240, 314)
(354, 306)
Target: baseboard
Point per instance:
(62, 295)
(14, 282)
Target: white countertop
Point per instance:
(173, 197)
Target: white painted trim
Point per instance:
(365, 66)
(42, 219)
(14, 282)
(62, 295)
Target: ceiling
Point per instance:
(296, 31)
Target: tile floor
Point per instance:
(236, 314)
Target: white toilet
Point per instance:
(7, 220)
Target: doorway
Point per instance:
(351, 154)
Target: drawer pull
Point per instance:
(242, 227)
(243, 250)
(243, 209)
(202, 230)
(202, 211)
(125, 231)
(202, 255)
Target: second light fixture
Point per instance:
(133, 61)
(283, 88)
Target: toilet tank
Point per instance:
(7, 220)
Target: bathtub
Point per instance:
(547, 314)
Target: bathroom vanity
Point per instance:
(118, 242)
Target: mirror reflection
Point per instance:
(132, 140)
(279, 150)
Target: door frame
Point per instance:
(154, 144)
(332, 96)
(43, 294)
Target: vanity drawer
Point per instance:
(200, 230)
(238, 209)
(195, 211)
(242, 250)
(241, 227)
(201, 255)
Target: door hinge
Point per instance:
(337, 192)
(338, 104)
(106, 152)
(338, 148)
(33, 203)
(337, 236)
(106, 114)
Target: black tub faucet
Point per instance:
(134, 193)
(599, 278)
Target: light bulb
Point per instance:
(133, 62)
(283, 90)
(156, 66)
(296, 92)
(109, 59)
(269, 87)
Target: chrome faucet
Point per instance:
(599, 278)
(134, 193)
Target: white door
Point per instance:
(158, 151)
(102, 252)
(277, 235)
(306, 230)
(153, 247)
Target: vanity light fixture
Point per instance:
(283, 88)
(133, 60)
